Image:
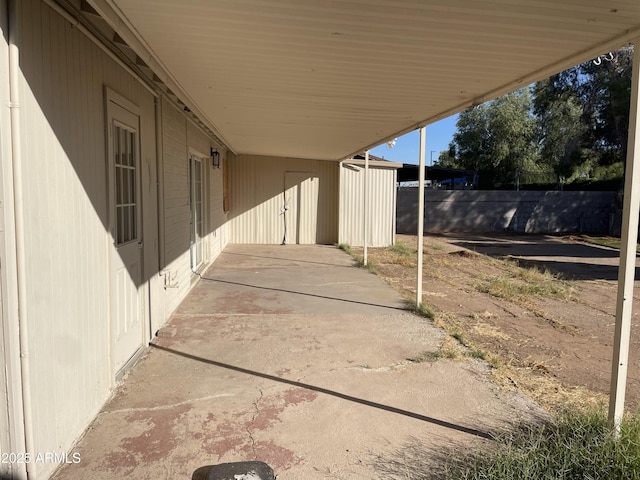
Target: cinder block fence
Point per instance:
(500, 211)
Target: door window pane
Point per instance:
(125, 185)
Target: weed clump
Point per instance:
(421, 309)
(576, 445)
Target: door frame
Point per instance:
(195, 159)
(112, 97)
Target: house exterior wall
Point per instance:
(381, 200)
(181, 139)
(257, 198)
(11, 422)
(66, 219)
(65, 80)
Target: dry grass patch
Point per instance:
(544, 389)
(488, 330)
(478, 334)
(516, 283)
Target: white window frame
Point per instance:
(197, 213)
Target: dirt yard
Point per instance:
(539, 309)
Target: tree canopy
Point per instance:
(570, 127)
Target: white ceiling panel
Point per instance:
(326, 79)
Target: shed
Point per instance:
(380, 201)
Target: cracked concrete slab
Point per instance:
(291, 356)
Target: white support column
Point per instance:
(626, 272)
(423, 144)
(365, 208)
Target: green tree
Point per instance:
(513, 131)
(606, 90)
(497, 138)
(571, 125)
(583, 117)
(559, 112)
(447, 158)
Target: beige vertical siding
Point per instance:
(65, 211)
(177, 270)
(257, 198)
(66, 218)
(181, 138)
(381, 209)
(10, 398)
(216, 216)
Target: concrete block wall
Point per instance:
(499, 211)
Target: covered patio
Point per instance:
(220, 108)
(292, 356)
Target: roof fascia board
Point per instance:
(373, 163)
(114, 17)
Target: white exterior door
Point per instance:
(125, 250)
(301, 202)
(197, 226)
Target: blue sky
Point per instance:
(407, 148)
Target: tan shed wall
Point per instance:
(257, 199)
(381, 206)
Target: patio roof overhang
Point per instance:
(326, 80)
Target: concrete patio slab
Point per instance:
(291, 356)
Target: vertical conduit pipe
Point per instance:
(365, 208)
(160, 183)
(627, 269)
(18, 195)
(423, 144)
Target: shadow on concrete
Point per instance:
(343, 396)
(406, 308)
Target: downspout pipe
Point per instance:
(18, 196)
(160, 183)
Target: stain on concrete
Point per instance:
(228, 437)
(120, 461)
(295, 396)
(278, 458)
(235, 437)
(242, 302)
(152, 445)
(270, 408)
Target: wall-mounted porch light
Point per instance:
(215, 158)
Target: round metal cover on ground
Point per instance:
(235, 471)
